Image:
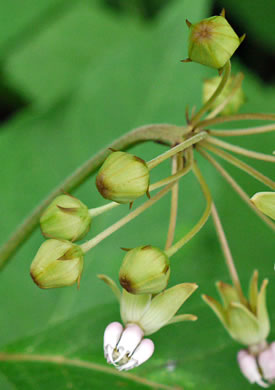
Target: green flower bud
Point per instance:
(57, 264)
(265, 202)
(212, 42)
(66, 218)
(246, 322)
(145, 270)
(123, 177)
(233, 106)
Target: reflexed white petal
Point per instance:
(142, 353)
(266, 361)
(111, 337)
(130, 339)
(249, 368)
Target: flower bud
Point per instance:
(57, 264)
(233, 106)
(123, 178)
(212, 42)
(265, 202)
(66, 218)
(145, 270)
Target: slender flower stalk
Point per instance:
(236, 187)
(243, 132)
(240, 164)
(208, 104)
(177, 164)
(227, 253)
(174, 248)
(123, 221)
(179, 148)
(237, 117)
(102, 209)
(237, 85)
(240, 150)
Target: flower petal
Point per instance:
(129, 341)
(265, 202)
(253, 292)
(164, 306)
(243, 325)
(133, 306)
(112, 284)
(267, 362)
(262, 313)
(228, 293)
(218, 309)
(112, 335)
(142, 353)
(249, 368)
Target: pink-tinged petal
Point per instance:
(249, 368)
(266, 361)
(142, 353)
(112, 336)
(130, 339)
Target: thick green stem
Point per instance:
(179, 148)
(211, 100)
(163, 133)
(174, 248)
(239, 150)
(240, 164)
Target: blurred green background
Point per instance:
(75, 75)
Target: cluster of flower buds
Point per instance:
(212, 42)
(58, 262)
(142, 315)
(258, 366)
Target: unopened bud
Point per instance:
(145, 270)
(66, 218)
(233, 106)
(123, 178)
(57, 264)
(212, 42)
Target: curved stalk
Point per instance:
(176, 149)
(242, 165)
(227, 253)
(236, 187)
(164, 133)
(211, 100)
(240, 132)
(237, 85)
(177, 164)
(239, 150)
(238, 117)
(123, 221)
(174, 248)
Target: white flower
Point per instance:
(126, 348)
(259, 368)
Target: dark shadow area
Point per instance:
(252, 53)
(10, 101)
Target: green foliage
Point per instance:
(91, 77)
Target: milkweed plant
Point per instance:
(146, 304)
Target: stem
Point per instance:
(176, 149)
(237, 117)
(236, 187)
(173, 249)
(164, 133)
(240, 164)
(227, 253)
(237, 85)
(176, 164)
(239, 132)
(239, 150)
(211, 100)
(102, 209)
(123, 221)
